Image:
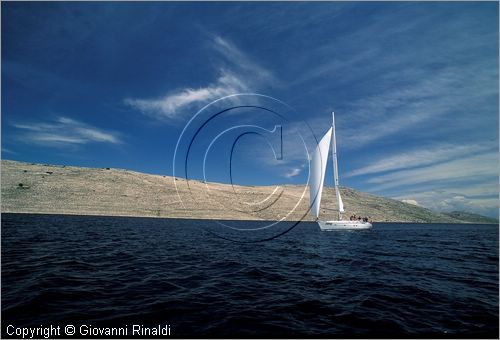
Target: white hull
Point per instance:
(346, 225)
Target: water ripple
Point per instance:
(393, 281)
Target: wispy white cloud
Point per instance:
(241, 62)
(238, 73)
(464, 184)
(410, 201)
(335, 65)
(293, 173)
(442, 79)
(449, 101)
(64, 131)
(171, 106)
(457, 199)
(421, 157)
(442, 177)
(416, 108)
(469, 168)
(484, 206)
(8, 151)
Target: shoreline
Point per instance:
(220, 219)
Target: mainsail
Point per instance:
(336, 169)
(318, 169)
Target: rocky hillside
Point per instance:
(38, 188)
(471, 218)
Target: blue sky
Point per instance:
(414, 87)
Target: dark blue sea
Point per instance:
(393, 281)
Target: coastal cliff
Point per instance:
(55, 189)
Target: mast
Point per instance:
(335, 168)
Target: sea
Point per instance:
(200, 279)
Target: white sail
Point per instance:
(318, 169)
(340, 204)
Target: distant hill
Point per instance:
(39, 188)
(471, 218)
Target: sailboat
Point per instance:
(318, 169)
